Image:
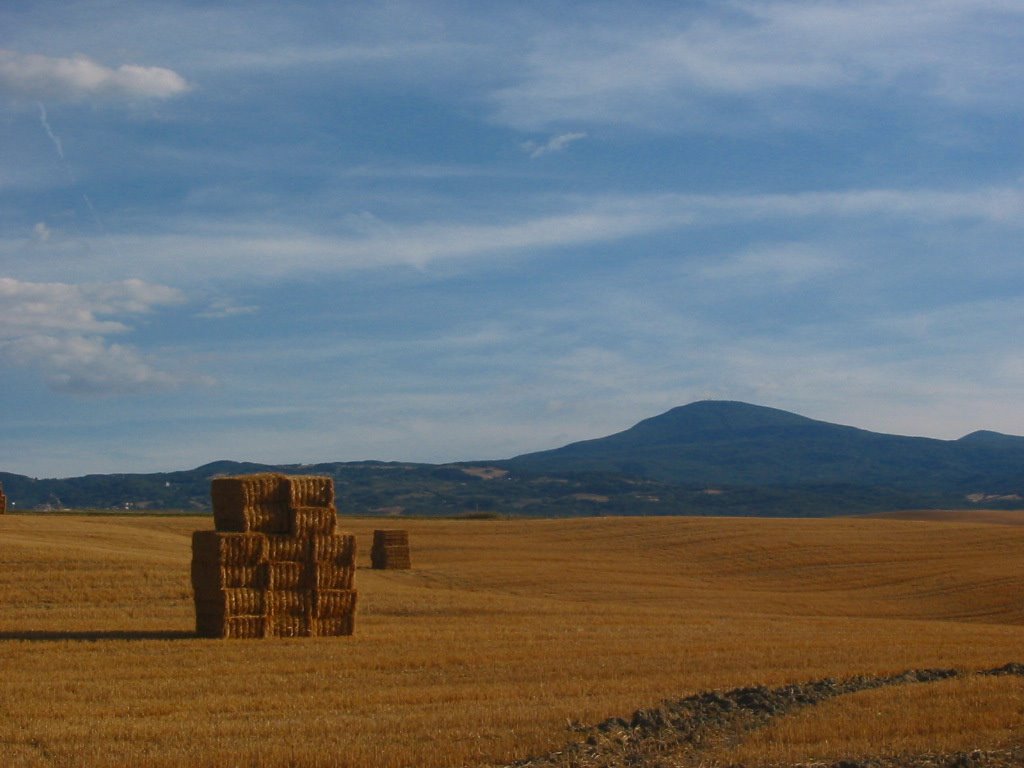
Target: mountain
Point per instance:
(716, 442)
(709, 457)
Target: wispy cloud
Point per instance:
(371, 243)
(784, 264)
(672, 70)
(554, 144)
(37, 77)
(61, 329)
(225, 307)
(41, 232)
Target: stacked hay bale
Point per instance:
(3, 500)
(390, 550)
(275, 566)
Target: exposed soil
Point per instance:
(678, 733)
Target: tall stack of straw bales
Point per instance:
(390, 550)
(275, 566)
(3, 500)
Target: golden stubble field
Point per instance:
(503, 634)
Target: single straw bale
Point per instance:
(246, 549)
(216, 608)
(339, 549)
(333, 603)
(289, 626)
(247, 627)
(391, 561)
(390, 550)
(211, 575)
(288, 602)
(288, 548)
(251, 503)
(213, 625)
(268, 517)
(333, 627)
(3, 500)
(327, 575)
(286, 574)
(309, 491)
(304, 521)
(243, 602)
(389, 537)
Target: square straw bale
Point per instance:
(246, 627)
(210, 575)
(333, 627)
(289, 548)
(390, 557)
(310, 491)
(287, 575)
(330, 576)
(245, 549)
(233, 627)
(289, 626)
(392, 536)
(289, 602)
(304, 521)
(333, 603)
(339, 549)
(250, 503)
(232, 602)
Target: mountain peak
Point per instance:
(989, 437)
(729, 414)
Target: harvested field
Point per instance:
(997, 516)
(507, 637)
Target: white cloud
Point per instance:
(44, 77)
(87, 365)
(554, 144)
(61, 329)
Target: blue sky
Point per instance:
(434, 231)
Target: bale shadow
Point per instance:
(88, 635)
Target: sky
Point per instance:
(445, 231)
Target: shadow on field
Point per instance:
(96, 635)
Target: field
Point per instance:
(507, 635)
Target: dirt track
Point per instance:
(678, 733)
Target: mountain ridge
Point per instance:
(707, 457)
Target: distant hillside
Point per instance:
(737, 444)
(712, 457)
